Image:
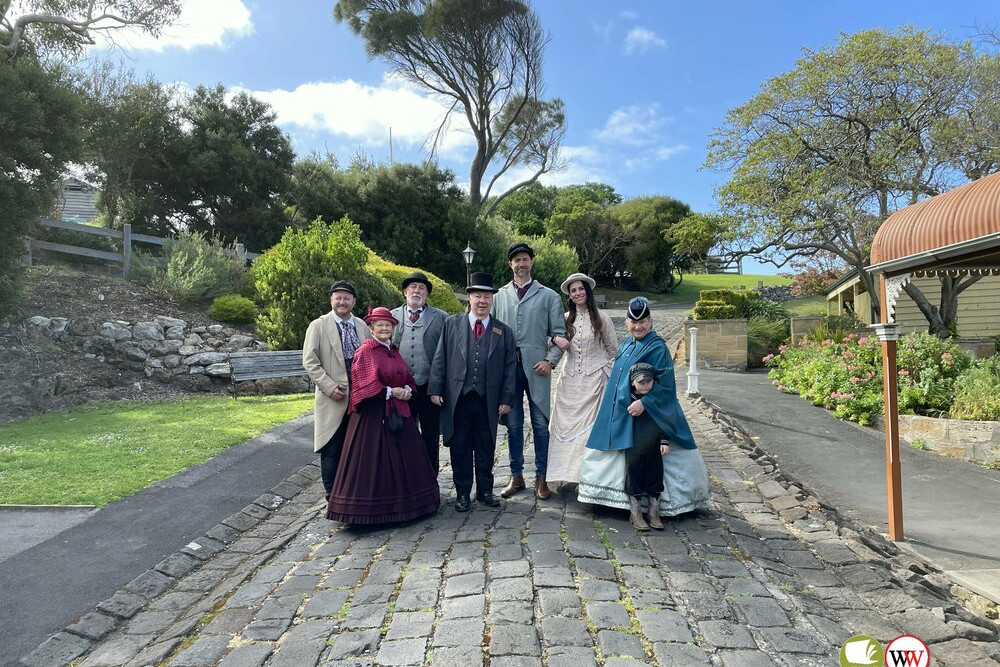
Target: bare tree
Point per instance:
(484, 57)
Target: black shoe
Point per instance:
(462, 504)
(489, 500)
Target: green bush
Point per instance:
(199, 268)
(977, 392)
(723, 295)
(291, 280)
(714, 310)
(233, 308)
(442, 296)
(764, 336)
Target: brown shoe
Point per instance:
(635, 514)
(654, 513)
(542, 491)
(516, 484)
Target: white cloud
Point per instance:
(664, 153)
(364, 114)
(200, 24)
(640, 40)
(633, 125)
(628, 14)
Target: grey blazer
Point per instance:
(433, 325)
(449, 366)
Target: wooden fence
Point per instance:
(123, 235)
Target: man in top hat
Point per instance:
(535, 313)
(472, 379)
(327, 352)
(417, 336)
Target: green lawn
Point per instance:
(692, 285)
(810, 305)
(95, 454)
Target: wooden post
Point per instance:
(126, 249)
(27, 252)
(893, 474)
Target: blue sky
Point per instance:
(644, 83)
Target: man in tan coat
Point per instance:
(326, 354)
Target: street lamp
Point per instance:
(469, 254)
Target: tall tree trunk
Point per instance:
(941, 319)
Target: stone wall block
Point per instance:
(188, 350)
(174, 333)
(147, 331)
(116, 331)
(171, 361)
(206, 359)
(169, 346)
(219, 370)
(170, 322)
(147, 345)
(131, 351)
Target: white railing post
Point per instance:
(692, 373)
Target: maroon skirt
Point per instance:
(383, 477)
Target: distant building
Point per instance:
(77, 201)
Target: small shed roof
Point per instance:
(958, 229)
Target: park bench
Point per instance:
(263, 365)
(600, 300)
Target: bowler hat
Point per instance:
(343, 286)
(520, 247)
(380, 313)
(417, 277)
(641, 371)
(481, 282)
(582, 277)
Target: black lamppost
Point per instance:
(469, 254)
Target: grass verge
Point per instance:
(693, 284)
(106, 451)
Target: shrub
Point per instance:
(714, 310)
(233, 308)
(442, 296)
(199, 268)
(813, 281)
(977, 392)
(291, 279)
(928, 367)
(745, 303)
(764, 336)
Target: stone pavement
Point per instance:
(769, 577)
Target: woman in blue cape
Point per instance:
(602, 475)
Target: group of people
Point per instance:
(391, 387)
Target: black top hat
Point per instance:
(520, 247)
(641, 371)
(343, 286)
(638, 308)
(417, 277)
(481, 282)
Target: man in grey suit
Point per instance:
(472, 378)
(417, 336)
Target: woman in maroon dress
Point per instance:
(384, 473)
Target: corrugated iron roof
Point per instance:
(963, 214)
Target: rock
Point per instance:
(239, 340)
(148, 345)
(152, 362)
(171, 361)
(198, 330)
(115, 331)
(188, 350)
(174, 333)
(147, 331)
(131, 351)
(169, 346)
(192, 339)
(58, 324)
(196, 370)
(39, 321)
(206, 359)
(215, 328)
(83, 326)
(97, 345)
(170, 322)
(219, 370)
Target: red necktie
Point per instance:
(414, 315)
(478, 330)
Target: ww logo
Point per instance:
(907, 651)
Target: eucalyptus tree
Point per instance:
(483, 58)
(827, 151)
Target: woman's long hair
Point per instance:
(595, 317)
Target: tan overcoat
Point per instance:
(323, 358)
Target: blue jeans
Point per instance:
(515, 428)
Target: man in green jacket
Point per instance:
(535, 313)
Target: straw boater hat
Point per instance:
(582, 277)
(481, 282)
(380, 314)
(417, 277)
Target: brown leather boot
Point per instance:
(654, 513)
(542, 491)
(516, 484)
(635, 514)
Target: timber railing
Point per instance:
(123, 235)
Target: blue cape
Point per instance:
(613, 427)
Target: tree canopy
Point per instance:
(484, 59)
(825, 152)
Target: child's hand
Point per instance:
(664, 449)
(636, 408)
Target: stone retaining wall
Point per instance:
(976, 441)
(722, 344)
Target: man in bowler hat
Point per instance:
(417, 336)
(472, 379)
(327, 352)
